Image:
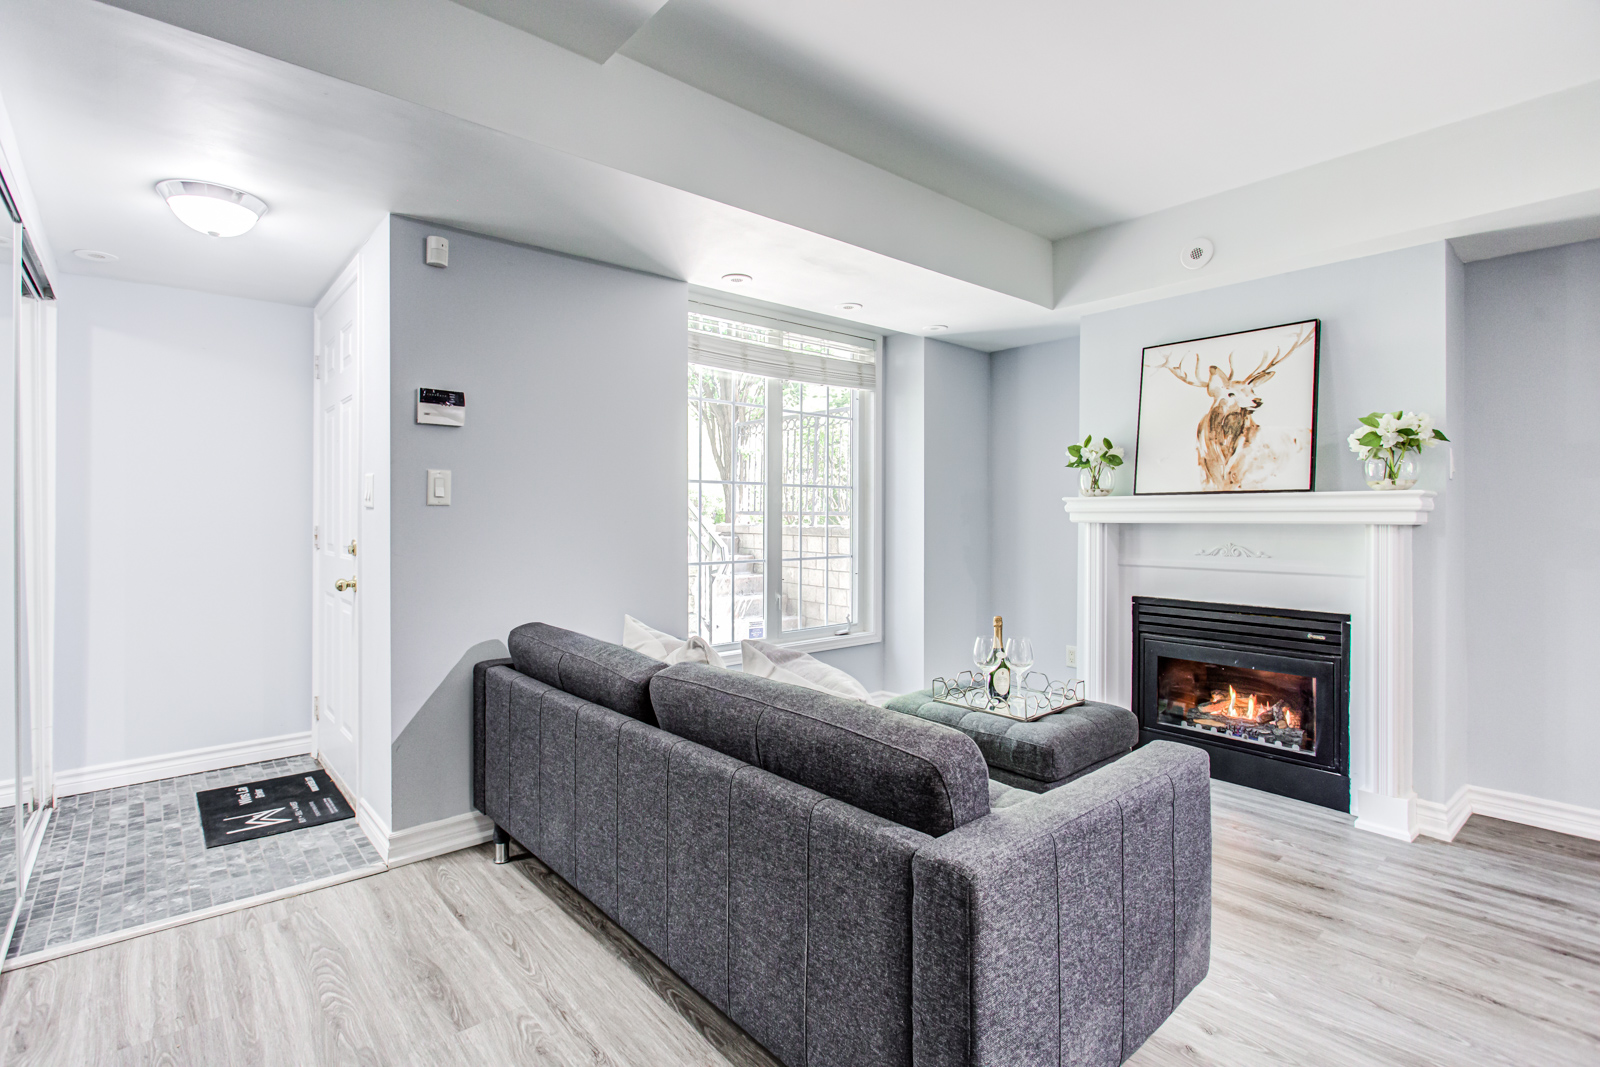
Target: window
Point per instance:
(794, 505)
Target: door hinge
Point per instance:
(316, 365)
(316, 708)
(316, 537)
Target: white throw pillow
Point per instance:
(648, 641)
(765, 660)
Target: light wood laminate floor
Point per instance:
(1331, 947)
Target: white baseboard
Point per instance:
(374, 827)
(1444, 821)
(398, 847)
(8, 790)
(173, 765)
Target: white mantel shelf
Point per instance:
(1400, 507)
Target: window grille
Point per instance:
(787, 505)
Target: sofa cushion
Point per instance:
(1049, 751)
(593, 670)
(763, 659)
(919, 774)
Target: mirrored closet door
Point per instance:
(27, 535)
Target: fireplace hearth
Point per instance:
(1266, 691)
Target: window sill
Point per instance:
(731, 656)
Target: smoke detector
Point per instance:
(1197, 253)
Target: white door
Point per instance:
(338, 456)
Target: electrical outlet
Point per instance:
(1072, 656)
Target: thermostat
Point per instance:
(441, 407)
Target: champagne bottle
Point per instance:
(998, 673)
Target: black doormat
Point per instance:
(275, 806)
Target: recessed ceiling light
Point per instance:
(736, 279)
(936, 328)
(94, 256)
(849, 307)
(215, 210)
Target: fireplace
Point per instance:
(1266, 691)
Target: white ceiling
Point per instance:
(106, 103)
(985, 104)
(1059, 115)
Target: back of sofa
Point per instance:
(787, 909)
(917, 773)
(590, 669)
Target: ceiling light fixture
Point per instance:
(215, 210)
(850, 307)
(936, 328)
(94, 256)
(736, 279)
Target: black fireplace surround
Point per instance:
(1266, 691)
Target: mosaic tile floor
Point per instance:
(8, 863)
(121, 858)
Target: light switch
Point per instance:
(439, 488)
(369, 490)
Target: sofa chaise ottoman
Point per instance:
(1039, 755)
(830, 875)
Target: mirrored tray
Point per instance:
(1036, 696)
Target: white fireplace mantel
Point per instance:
(1383, 799)
(1401, 507)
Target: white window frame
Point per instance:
(867, 523)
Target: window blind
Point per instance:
(772, 352)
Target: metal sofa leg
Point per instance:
(502, 845)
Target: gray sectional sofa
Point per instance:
(831, 875)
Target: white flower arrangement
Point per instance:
(1094, 458)
(1389, 435)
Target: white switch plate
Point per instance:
(1072, 656)
(438, 488)
(369, 490)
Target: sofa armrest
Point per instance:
(1064, 930)
(480, 748)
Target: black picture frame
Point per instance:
(1140, 437)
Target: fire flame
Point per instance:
(1254, 708)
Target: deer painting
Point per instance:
(1233, 449)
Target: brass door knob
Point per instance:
(351, 548)
(345, 583)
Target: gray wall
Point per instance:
(936, 447)
(957, 600)
(567, 503)
(1386, 343)
(1033, 417)
(904, 492)
(1532, 573)
(183, 513)
(1383, 345)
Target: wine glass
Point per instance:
(982, 651)
(1019, 650)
